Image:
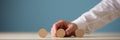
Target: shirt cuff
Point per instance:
(82, 25)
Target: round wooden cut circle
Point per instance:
(79, 33)
(42, 33)
(60, 33)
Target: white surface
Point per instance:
(96, 36)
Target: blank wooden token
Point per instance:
(42, 33)
(79, 33)
(60, 33)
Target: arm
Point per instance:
(103, 13)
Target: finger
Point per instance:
(61, 24)
(53, 32)
(55, 27)
(70, 30)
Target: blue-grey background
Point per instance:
(31, 15)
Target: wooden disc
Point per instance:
(79, 33)
(42, 33)
(60, 33)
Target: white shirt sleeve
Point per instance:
(100, 15)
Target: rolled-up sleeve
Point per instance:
(103, 13)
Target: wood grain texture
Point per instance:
(43, 33)
(60, 33)
(79, 33)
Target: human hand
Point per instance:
(67, 26)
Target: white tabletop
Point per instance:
(29, 35)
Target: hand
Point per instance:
(67, 26)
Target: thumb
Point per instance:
(71, 28)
